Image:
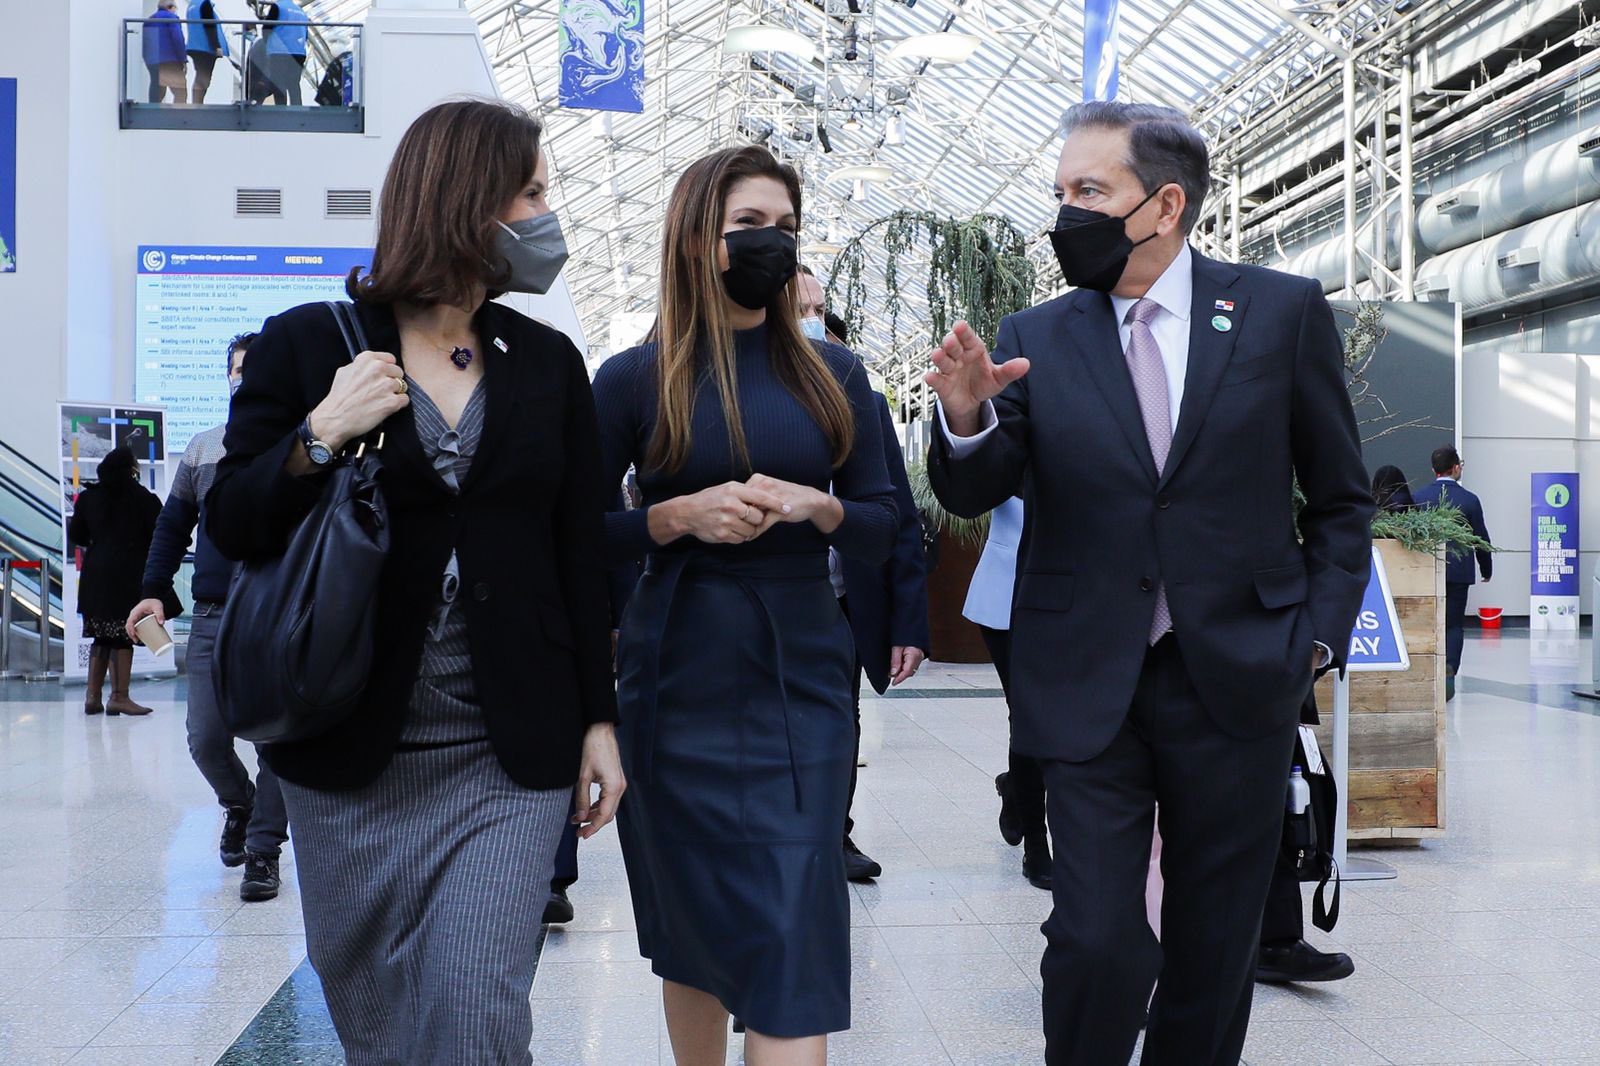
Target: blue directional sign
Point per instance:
(1376, 642)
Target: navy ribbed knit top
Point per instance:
(783, 440)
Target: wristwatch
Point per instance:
(318, 452)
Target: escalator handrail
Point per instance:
(28, 462)
(40, 507)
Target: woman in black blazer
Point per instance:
(422, 821)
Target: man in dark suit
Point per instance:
(1460, 573)
(1167, 621)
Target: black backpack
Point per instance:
(330, 90)
(1308, 837)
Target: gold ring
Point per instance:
(404, 387)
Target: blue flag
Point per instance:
(602, 55)
(1100, 49)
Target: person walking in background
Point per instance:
(206, 44)
(164, 50)
(988, 606)
(1158, 656)
(254, 826)
(1390, 489)
(887, 605)
(285, 32)
(734, 659)
(1461, 568)
(421, 819)
(112, 521)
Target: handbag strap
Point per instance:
(355, 342)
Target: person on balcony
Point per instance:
(163, 48)
(206, 43)
(285, 30)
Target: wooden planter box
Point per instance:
(1397, 720)
(955, 640)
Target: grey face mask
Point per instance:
(233, 385)
(535, 251)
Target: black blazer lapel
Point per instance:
(502, 369)
(401, 445)
(1093, 326)
(1209, 350)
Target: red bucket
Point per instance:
(1489, 617)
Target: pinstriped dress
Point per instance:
(419, 918)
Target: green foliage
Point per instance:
(970, 531)
(1423, 529)
(977, 270)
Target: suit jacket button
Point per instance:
(1146, 585)
(1163, 503)
(480, 591)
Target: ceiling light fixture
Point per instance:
(936, 47)
(894, 131)
(858, 191)
(864, 172)
(763, 38)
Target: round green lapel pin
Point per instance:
(1221, 324)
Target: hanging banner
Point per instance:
(1553, 581)
(88, 432)
(1100, 66)
(8, 175)
(602, 55)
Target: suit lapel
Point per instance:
(401, 445)
(1093, 327)
(503, 365)
(1209, 351)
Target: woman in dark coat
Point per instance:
(1391, 490)
(112, 521)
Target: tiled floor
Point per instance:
(122, 940)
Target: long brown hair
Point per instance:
(693, 318)
(452, 175)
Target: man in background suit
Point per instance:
(1167, 621)
(887, 605)
(1459, 571)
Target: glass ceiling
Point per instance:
(976, 136)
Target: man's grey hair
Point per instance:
(1163, 147)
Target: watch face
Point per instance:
(319, 453)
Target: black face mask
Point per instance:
(760, 263)
(1093, 248)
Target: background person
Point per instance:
(206, 43)
(255, 825)
(112, 521)
(284, 34)
(1390, 489)
(163, 47)
(887, 605)
(1157, 656)
(418, 819)
(734, 657)
(1461, 568)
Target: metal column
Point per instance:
(6, 673)
(1350, 178)
(1408, 188)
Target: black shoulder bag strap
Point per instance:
(355, 339)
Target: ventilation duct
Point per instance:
(348, 203)
(1549, 180)
(1526, 263)
(258, 203)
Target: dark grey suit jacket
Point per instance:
(1264, 403)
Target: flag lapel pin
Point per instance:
(498, 343)
(1224, 305)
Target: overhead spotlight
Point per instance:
(822, 137)
(863, 172)
(852, 122)
(894, 131)
(858, 191)
(851, 52)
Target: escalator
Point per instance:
(30, 529)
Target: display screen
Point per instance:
(193, 300)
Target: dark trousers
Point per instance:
(1025, 774)
(565, 873)
(211, 745)
(158, 92)
(1283, 922)
(1221, 802)
(1455, 620)
(285, 72)
(205, 63)
(855, 707)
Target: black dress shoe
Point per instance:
(858, 867)
(1036, 862)
(1301, 962)
(1010, 821)
(559, 910)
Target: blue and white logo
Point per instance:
(155, 260)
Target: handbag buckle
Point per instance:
(362, 448)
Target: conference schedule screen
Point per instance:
(192, 300)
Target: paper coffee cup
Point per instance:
(153, 635)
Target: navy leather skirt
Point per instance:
(737, 740)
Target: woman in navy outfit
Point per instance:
(734, 659)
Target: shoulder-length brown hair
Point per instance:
(693, 319)
(452, 175)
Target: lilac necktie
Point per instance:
(1149, 373)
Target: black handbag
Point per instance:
(1308, 837)
(295, 648)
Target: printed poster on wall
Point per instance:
(8, 175)
(1553, 580)
(88, 432)
(602, 55)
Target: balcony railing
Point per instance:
(225, 75)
